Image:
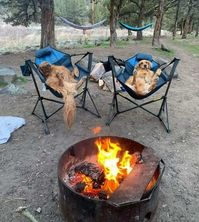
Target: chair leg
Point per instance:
(113, 111)
(164, 110)
(84, 93)
(45, 117)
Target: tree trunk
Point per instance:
(186, 23)
(93, 11)
(176, 19)
(181, 26)
(47, 23)
(140, 18)
(161, 25)
(197, 28)
(158, 24)
(190, 25)
(113, 33)
(129, 34)
(114, 9)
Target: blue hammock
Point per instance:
(136, 29)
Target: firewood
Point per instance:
(102, 195)
(96, 185)
(101, 83)
(79, 187)
(90, 170)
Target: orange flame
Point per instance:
(116, 165)
(96, 130)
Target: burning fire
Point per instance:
(102, 179)
(116, 165)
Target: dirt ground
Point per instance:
(28, 162)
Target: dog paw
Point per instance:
(158, 72)
(75, 72)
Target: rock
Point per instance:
(97, 43)
(38, 210)
(13, 90)
(162, 61)
(165, 48)
(7, 75)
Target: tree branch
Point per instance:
(170, 4)
(136, 3)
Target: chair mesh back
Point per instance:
(130, 64)
(53, 56)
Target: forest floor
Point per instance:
(28, 161)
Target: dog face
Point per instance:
(45, 68)
(144, 64)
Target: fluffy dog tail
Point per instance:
(69, 110)
(69, 103)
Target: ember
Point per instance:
(96, 130)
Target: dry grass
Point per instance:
(20, 38)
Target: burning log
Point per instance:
(136, 158)
(90, 170)
(79, 187)
(87, 178)
(103, 195)
(99, 180)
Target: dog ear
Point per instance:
(45, 68)
(136, 66)
(149, 64)
(139, 63)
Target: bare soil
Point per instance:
(28, 162)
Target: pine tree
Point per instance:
(23, 12)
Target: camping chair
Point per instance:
(56, 57)
(123, 74)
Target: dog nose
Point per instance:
(145, 66)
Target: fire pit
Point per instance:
(109, 178)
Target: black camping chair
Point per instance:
(126, 69)
(56, 57)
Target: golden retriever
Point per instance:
(143, 80)
(62, 80)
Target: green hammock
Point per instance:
(135, 28)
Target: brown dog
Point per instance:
(143, 79)
(62, 80)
